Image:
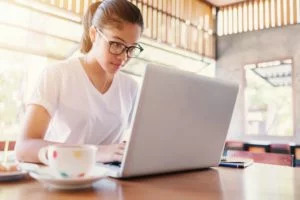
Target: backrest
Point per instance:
(233, 145)
(11, 145)
(267, 158)
(280, 148)
(297, 156)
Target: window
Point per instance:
(29, 40)
(18, 75)
(269, 99)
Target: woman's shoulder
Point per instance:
(61, 68)
(65, 64)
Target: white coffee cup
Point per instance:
(69, 161)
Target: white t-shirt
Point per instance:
(80, 114)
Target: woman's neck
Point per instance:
(93, 67)
(97, 75)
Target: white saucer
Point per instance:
(45, 176)
(11, 176)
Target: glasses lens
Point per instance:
(116, 48)
(134, 51)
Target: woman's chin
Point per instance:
(112, 70)
(115, 68)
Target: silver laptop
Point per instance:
(181, 122)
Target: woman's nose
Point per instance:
(123, 56)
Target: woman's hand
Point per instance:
(110, 153)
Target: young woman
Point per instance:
(86, 100)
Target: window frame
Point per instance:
(262, 138)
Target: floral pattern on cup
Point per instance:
(54, 154)
(64, 175)
(77, 154)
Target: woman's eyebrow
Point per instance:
(118, 38)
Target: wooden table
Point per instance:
(258, 181)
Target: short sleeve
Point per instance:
(46, 92)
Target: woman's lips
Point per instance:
(117, 65)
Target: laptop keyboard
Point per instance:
(115, 163)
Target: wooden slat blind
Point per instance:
(257, 14)
(186, 24)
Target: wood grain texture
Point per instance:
(258, 181)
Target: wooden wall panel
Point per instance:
(186, 24)
(258, 14)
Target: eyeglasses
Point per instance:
(117, 48)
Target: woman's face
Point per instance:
(109, 39)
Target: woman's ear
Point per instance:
(92, 32)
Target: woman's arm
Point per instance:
(31, 139)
